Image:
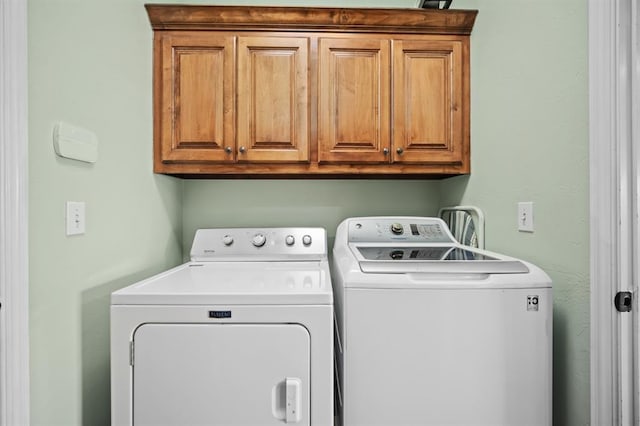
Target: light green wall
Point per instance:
(90, 64)
(324, 203)
(529, 130)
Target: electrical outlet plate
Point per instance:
(525, 216)
(76, 220)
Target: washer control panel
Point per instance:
(257, 244)
(390, 229)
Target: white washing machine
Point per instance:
(431, 332)
(240, 335)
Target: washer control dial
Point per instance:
(397, 228)
(306, 240)
(258, 240)
(227, 240)
(290, 240)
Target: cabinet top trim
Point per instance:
(403, 20)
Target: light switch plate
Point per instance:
(525, 216)
(76, 220)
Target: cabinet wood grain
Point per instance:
(194, 92)
(354, 100)
(273, 99)
(428, 102)
(310, 92)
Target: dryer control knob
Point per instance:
(227, 240)
(306, 240)
(258, 240)
(290, 240)
(397, 228)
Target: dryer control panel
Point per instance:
(259, 244)
(408, 229)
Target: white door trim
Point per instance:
(14, 281)
(613, 205)
(634, 50)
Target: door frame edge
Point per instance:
(612, 210)
(14, 255)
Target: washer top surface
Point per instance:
(415, 252)
(242, 266)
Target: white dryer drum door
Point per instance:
(221, 374)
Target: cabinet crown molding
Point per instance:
(398, 20)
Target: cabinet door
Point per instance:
(428, 102)
(353, 100)
(195, 93)
(273, 99)
(221, 375)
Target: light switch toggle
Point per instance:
(525, 216)
(76, 220)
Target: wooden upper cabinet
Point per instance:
(273, 99)
(309, 92)
(428, 102)
(354, 100)
(195, 89)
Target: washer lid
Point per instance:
(233, 283)
(392, 259)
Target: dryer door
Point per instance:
(221, 374)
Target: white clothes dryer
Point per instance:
(240, 335)
(431, 332)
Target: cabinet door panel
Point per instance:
(197, 102)
(353, 100)
(428, 101)
(273, 99)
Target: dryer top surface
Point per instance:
(237, 283)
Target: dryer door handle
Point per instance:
(287, 400)
(293, 388)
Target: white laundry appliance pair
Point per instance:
(240, 335)
(428, 332)
(432, 333)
